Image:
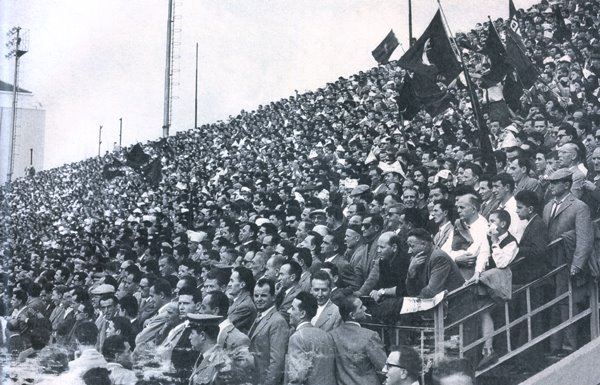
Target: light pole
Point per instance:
(120, 130)
(99, 139)
(18, 49)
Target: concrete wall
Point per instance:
(580, 368)
(30, 134)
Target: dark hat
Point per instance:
(204, 319)
(560, 175)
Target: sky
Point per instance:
(91, 62)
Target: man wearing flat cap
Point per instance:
(568, 218)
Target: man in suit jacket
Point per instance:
(167, 310)
(242, 310)
(331, 247)
(532, 247)
(359, 352)
(431, 271)
(569, 218)
(288, 278)
(269, 335)
(216, 303)
(310, 358)
(328, 316)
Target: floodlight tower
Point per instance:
(18, 43)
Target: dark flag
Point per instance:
(136, 157)
(385, 49)
(113, 169)
(512, 16)
(408, 105)
(561, 33)
(494, 49)
(513, 90)
(515, 55)
(152, 172)
(432, 56)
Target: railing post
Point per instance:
(594, 317)
(438, 326)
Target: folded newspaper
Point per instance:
(413, 304)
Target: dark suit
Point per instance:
(268, 341)
(438, 273)
(242, 312)
(286, 301)
(359, 355)
(329, 318)
(345, 270)
(571, 222)
(533, 249)
(310, 359)
(147, 310)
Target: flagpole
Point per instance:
(484, 135)
(410, 33)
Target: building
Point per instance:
(30, 132)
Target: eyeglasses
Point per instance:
(388, 365)
(366, 225)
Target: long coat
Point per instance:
(359, 355)
(268, 341)
(310, 359)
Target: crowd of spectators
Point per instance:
(264, 236)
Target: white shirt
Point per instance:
(517, 225)
(480, 247)
(319, 311)
(503, 256)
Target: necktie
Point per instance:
(254, 325)
(554, 209)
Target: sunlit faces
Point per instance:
(321, 290)
(263, 299)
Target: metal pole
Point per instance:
(11, 148)
(196, 94)
(410, 35)
(167, 101)
(31, 156)
(120, 131)
(99, 139)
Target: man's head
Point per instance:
(204, 330)
(499, 222)
(352, 238)
(161, 291)
(216, 279)
(453, 372)
(108, 305)
(189, 301)
(560, 183)
(467, 207)
(320, 286)
(241, 280)
(289, 274)
(503, 186)
(387, 245)
(303, 309)
(518, 168)
(409, 197)
(527, 204)
(215, 303)
(568, 155)
(352, 309)
(403, 366)
(419, 241)
(116, 349)
(86, 333)
(264, 294)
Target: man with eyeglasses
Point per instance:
(402, 367)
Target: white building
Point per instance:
(30, 132)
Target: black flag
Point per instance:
(385, 49)
(408, 105)
(515, 55)
(432, 56)
(152, 172)
(494, 49)
(136, 157)
(561, 33)
(163, 146)
(512, 16)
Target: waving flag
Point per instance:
(385, 49)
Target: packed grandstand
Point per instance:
(387, 186)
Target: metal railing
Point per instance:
(447, 334)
